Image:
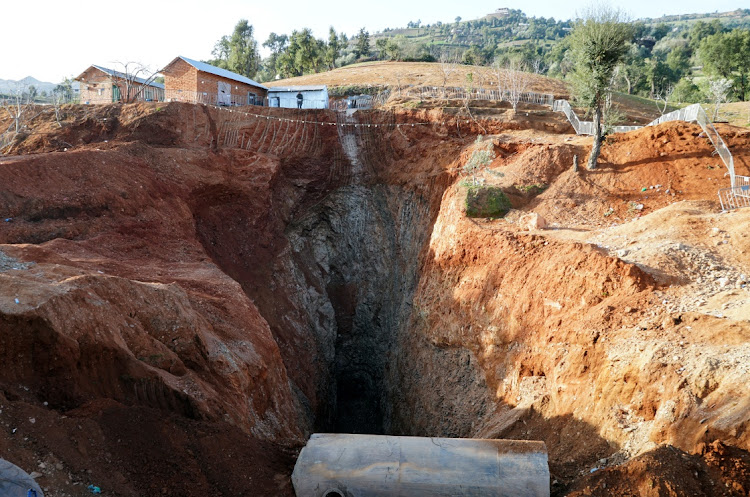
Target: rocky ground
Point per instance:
(187, 293)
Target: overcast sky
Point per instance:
(51, 39)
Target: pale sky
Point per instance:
(51, 39)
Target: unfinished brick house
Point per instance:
(100, 85)
(187, 80)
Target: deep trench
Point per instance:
(365, 243)
(350, 272)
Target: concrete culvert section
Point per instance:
(338, 465)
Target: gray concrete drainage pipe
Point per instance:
(338, 465)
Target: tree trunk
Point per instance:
(596, 148)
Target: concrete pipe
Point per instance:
(337, 465)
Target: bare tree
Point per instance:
(517, 82)
(538, 66)
(20, 110)
(134, 81)
(498, 71)
(661, 99)
(448, 66)
(718, 91)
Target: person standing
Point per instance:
(299, 100)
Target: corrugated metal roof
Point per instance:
(299, 88)
(202, 66)
(122, 75)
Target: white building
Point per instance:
(313, 96)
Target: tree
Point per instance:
(458, 19)
(133, 80)
(276, 44)
(728, 55)
(304, 55)
(333, 49)
(448, 66)
(381, 45)
(481, 157)
(243, 50)
(32, 93)
(517, 82)
(599, 41)
(238, 52)
(362, 48)
(718, 90)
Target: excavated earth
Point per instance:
(186, 293)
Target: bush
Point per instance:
(486, 201)
(685, 91)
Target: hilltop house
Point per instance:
(313, 96)
(99, 85)
(500, 13)
(187, 80)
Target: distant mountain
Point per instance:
(9, 85)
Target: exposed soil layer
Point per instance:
(188, 292)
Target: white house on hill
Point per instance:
(298, 97)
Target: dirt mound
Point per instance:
(717, 470)
(397, 74)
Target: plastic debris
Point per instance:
(94, 489)
(8, 219)
(18, 301)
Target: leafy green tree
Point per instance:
(238, 52)
(633, 70)
(702, 30)
(473, 56)
(333, 48)
(243, 50)
(303, 56)
(362, 48)
(277, 44)
(685, 91)
(381, 45)
(394, 48)
(728, 55)
(658, 75)
(660, 31)
(599, 42)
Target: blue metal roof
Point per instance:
(121, 75)
(202, 66)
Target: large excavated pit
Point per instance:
(218, 285)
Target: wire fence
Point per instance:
(458, 93)
(226, 100)
(696, 113)
(737, 195)
(734, 197)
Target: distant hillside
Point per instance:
(512, 28)
(9, 85)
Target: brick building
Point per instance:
(188, 80)
(100, 85)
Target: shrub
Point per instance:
(486, 201)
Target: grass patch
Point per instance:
(486, 201)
